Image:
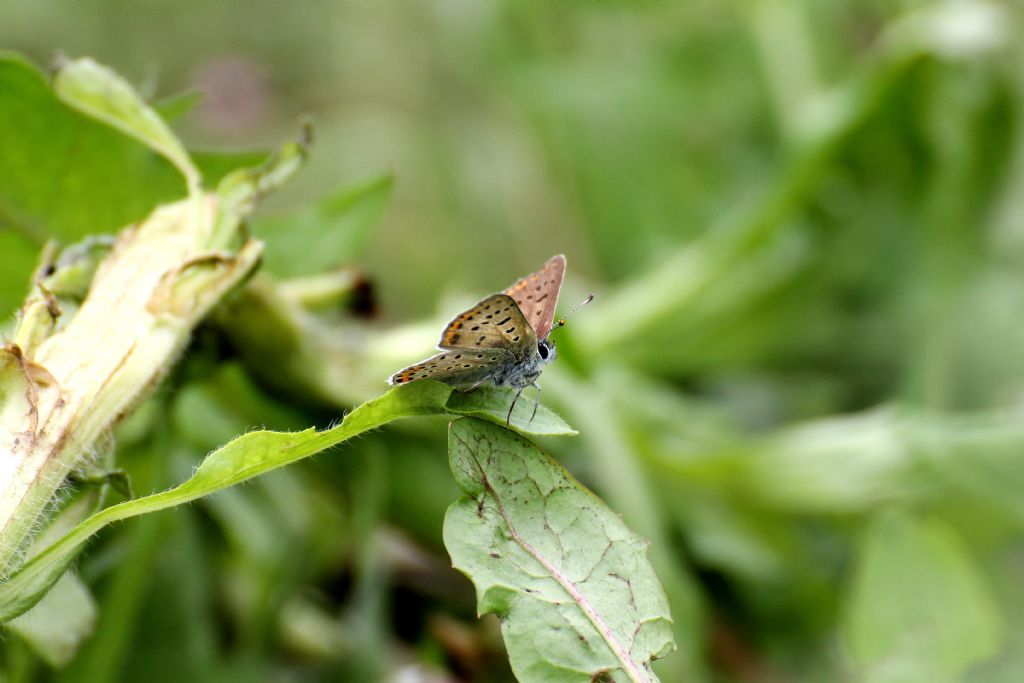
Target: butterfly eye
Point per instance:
(546, 349)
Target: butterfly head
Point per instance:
(546, 347)
(546, 350)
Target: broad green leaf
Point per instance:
(245, 457)
(491, 403)
(846, 462)
(614, 465)
(919, 609)
(333, 232)
(102, 94)
(18, 254)
(976, 455)
(241, 459)
(577, 598)
(65, 175)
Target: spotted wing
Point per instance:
(537, 294)
(458, 368)
(494, 323)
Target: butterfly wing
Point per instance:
(494, 323)
(458, 368)
(537, 294)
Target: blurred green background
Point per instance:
(801, 378)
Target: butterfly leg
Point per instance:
(508, 418)
(536, 401)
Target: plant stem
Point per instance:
(62, 390)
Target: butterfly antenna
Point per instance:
(561, 321)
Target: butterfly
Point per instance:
(503, 340)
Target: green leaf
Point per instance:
(64, 174)
(577, 598)
(491, 403)
(919, 608)
(18, 255)
(331, 233)
(242, 189)
(215, 165)
(176, 106)
(243, 458)
(102, 94)
(116, 479)
(56, 626)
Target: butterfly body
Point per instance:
(524, 372)
(502, 340)
(467, 371)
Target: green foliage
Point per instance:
(800, 378)
(335, 231)
(62, 619)
(898, 626)
(64, 175)
(102, 95)
(243, 458)
(492, 404)
(577, 599)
